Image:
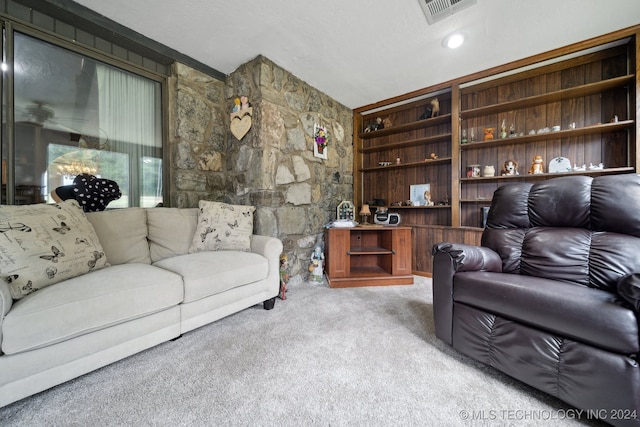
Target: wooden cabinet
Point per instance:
(578, 103)
(368, 256)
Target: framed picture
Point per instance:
(320, 141)
(418, 194)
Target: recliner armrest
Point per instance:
(448, 259)
(470, 258)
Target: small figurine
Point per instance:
(236, 105)
(435, 107)
(316, 267)
(580, 168)
(512, 131)
(509, 168)
(433, 156)
(537, 165)
(463, 139)
(503, 130)
(244, 103)
(593, 167)
(488, 134)
(375, 126)
(284, 276)
(427, 199)
(386, 123)
(433, 110)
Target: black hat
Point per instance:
(93, 193)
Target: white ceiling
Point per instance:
(362, 51)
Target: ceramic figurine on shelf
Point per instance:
(503, 130)
(537, 165)
(433, 110)
(594, 167)
(512, 131)
(509, 168)
(386, 123)
(488, 134)
(375, 126)
(472, 135)
(427, 199)
(463, 139)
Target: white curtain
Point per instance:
(130, 116)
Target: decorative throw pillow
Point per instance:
(223, 227)
(44, 244)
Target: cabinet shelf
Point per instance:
(587, 130)
(370, 251)
(407, 144)
(419, 124)
(559, 95)
(408, 165)
(538, 176)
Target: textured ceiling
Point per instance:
(363, 51)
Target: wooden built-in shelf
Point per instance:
(428, 162)
(524, 139)
(559, 95)
(528, 177)
(406, 144)
(441, 119)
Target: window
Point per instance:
(73, 114)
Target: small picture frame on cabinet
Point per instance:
(418, 192)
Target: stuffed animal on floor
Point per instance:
(537, 165)
(510, 167)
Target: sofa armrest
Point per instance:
(448, 259)
(629, 288)
(5, 304)
(270, 248)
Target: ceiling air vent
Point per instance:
(437, 10)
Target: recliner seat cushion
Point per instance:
(84, 304)
(584, 314)
(211, 272)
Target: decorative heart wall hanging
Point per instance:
(241, 117)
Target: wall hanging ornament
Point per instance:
(320, 141)
(240, 122)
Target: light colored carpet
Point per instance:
(324, 357)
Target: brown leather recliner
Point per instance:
(552, 297)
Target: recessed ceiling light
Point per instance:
(454, 41)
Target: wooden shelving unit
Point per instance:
(579, 88)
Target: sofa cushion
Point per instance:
(88, 303)
(123, 234)
(45, 243)
(211, 272)
(584, 314)
(171, 231)
(223, 227)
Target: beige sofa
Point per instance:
(152, 290)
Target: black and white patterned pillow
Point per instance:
(44, 244)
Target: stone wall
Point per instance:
(272, 167)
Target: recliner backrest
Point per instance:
(578, 229)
